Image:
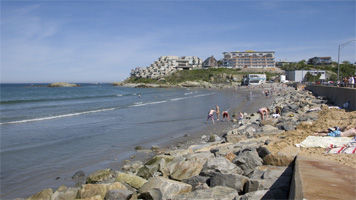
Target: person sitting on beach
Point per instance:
(210, 115)
(225, 115)
(278, 112)
(240, 116)
(217, 112)
(262, 111)
(347, 131)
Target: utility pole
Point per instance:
(338, 58)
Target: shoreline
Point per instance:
(221, 128)
(218, 128)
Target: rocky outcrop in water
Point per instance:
(62, 84)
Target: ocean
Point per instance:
(48, 134)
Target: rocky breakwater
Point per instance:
(239, 163)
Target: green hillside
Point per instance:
(215, 75)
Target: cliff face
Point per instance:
(62, 84)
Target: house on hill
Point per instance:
(320, 61)
(210, 62)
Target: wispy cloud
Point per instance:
(78, 41)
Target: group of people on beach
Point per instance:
(348, 81)
(225, 114)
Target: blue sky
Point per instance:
(101, 41)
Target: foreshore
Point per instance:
(225, 160)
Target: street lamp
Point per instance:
(338, 58)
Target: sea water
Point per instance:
(48, 134)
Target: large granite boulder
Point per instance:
(119, 194)
(44, 194)
(235, 138)
(153, 165)
(248, 161)
(234, 181)
(218, 192)
(185, 169)
(197, 181)
(132, 180)
(102, 176)
(166, 187)
(220, 164)
(201, 157)
(91, 190)
(133, 167)
(64, 193)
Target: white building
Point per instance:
(299, 75)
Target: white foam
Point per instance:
(148, 103)
(57, 116)
(176, 99)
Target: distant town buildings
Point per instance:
(210, 62)
(320, 61)
(249, 59)
(166, 65)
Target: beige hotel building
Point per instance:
(249, 59)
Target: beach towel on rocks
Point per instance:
(323, 142)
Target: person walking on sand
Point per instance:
(217, 112)
(226, 115)
(210, 115)
(262, 111)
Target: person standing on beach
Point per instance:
(262, 111)
(240, 116)
(211, 115)
(217, 112)
(351, 81)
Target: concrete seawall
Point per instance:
(317, 178)
(337, 95)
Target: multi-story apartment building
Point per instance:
(249, 59)
(166, 65)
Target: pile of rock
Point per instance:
(240, 163)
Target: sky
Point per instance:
(101, 41)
